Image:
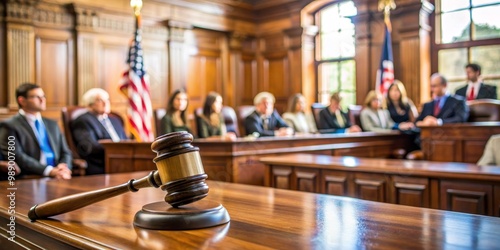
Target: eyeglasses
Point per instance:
(41, 97)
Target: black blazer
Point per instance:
(87, 130)
(27, 149)
(454, 110)
(253, 123)
(328, 122)
(486, 91)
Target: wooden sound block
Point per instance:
(200, 214)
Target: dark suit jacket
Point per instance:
(454, 110)
(328, 122)
(87, 130)
(253, 123)
(27, 149)
(485, 92)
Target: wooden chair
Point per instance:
(68, 114)
(242, 112)
(484, 110)
(158, 114)
(315, 109)
(231, 120)
(354, 112)
(229, 115)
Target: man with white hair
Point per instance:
(95, 125)
(265, 120)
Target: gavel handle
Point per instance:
(76, 201)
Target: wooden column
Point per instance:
(236, 81)
(293, 43)
(178, 52)
(365, 63)
(412, 27)
(20, 46)
(87, 76)
(309, 86)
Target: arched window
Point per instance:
(335, 50)
(467, 31)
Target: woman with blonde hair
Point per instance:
(400, 107)
(374, 118)
(297, 118)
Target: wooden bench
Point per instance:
(457, 187)
(238, 161)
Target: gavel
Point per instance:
(180, 173)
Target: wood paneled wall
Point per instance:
(237, 48)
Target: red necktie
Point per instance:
(436, 107)
(471, 94)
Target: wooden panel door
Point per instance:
(281, 177)
(306, 179)
(410, 191)
(371, 187)
(475, 198)
(334, 182)
(437, 150)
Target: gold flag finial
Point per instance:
(386, 6)
(137, 5)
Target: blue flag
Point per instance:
(385, 72)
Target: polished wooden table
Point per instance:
(460, 187)
(261, 218)
(458, 142)
(238, 161)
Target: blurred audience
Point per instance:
(176, 117)
(211, 122)
(375, 119)
(476, 88)
(444, 108)
(399, 106)
(491, 154)
(94, 125)
(265, 120)
(296, 116)
(333, 120)
(41, 148)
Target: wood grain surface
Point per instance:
(261, 218)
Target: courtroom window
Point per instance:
(467, 31)
(335, 50)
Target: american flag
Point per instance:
(135, 86)
(385, 72)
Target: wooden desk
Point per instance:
(238, 161)
(457, 187)
(459, 142)
(261, 218)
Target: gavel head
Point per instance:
(180, 168)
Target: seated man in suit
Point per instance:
(40, 148)
(444, 108)
(475, 88)
(333, 120)
(93, 126)
(491, 154)
(265, 121)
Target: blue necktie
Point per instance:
(43, 140)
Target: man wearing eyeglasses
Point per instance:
(38, 144)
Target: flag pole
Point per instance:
(386, 6)
(385, 72)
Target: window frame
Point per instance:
(318, 62)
